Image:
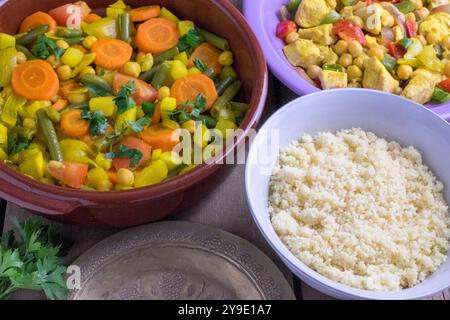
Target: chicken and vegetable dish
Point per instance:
(400, 47)
(98, 103)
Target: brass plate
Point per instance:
(181, 261)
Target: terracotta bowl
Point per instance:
(139, 206)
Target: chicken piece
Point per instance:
(371, 15)
(333, 79)
(438, 23)
(322, 34)
(377, 77)
(310, 13)
(398, 33)
(303, 53)
(328, 55)
(421, 86)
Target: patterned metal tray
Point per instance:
(178, 260)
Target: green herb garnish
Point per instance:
(123, 100)
(200, 65)
(148, 108)
(18, 139)
(190, 39)
(139, 125)
(126, 152)
(189, 110)
(45, 47)
(97, 120)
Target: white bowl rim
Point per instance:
(297, 266)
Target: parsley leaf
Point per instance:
(17, 141)
(189, 109)
(148, 108)
(200, 65)
(139, 125)
(123, 100)
(98, 122)
(126, 152)
(45, 47)
(190, 39)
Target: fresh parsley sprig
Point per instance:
(200, 65)
(126, 152)
(124, 101)
(190, 39)
(189, 109)
(97, 122)
(45, 47)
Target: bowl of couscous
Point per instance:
(350, 190)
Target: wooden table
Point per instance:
(225, 208)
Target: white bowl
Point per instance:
(388, 116)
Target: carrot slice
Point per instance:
(142, 90)
(144, 13)
(160, 137)
(92, 17)
(157, 35)
(66, 88)
(189, 87)
(133, 143)
(35, 80)
(59, 104)
(208, 54)
(38, 19)
(111, 54)
(72, 125)
(156, 117)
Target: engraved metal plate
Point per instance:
(178, 260)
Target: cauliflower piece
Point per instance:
(322, 34)
(377, 77)
(333, 79)
(438, 23)
(311, 12)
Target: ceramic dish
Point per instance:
(263, 17)
(178, 260)
(386, 115)
(126, 208)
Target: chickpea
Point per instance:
(292, 37)
(376, 51)
(87, 70)
(29, 123)
(132, 69)
(62, 44)
(104, 185)
(64, 72)
(446, 42)
(125, 177)
(189, 126)
(313, 71)
(417, 4)
(359, 62)
(404, 71)
(226, 58)
(77, 98)
(89, 41)
(447, 69)
(388, 21)
(422, 13)
(354, 73)
(432, 38)
(398, 90)
(56, 63)
(340, 47)
(163, 92)
(20, 57)
(345, 60)
(355, 48)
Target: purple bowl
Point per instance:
(262, 15)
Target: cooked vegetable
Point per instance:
(32, 35)
(124, 27)
(166, 55)
(208, 55)
(131, 153)
(157, 35)
(96, 85)
(191, 39)
(111, 53)
(7, 64)
(215, 40)
(145, 13)
(47, 128)
(189, 87)
(72, 125)
(38, 19)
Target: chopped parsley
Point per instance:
(45, 47)
(97, 120)
(190, 39)
(139, 125)
(126, 152)
(148, 108)
(18, 140)
(189, 109)
(123, 100)
(200, 65)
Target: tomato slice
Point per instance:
(347, 31)
(133, 143)
(396, 50)
(445, 85)
(143, 92)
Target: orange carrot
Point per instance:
(189, 87)
(65, 89)
(157, 35)
(111, 54)
(112, 175)
(133, 143)
(72, 174)
(92, 17)
(142, 90)
(35, 80)
(72, 125)
(156, 117)
(38, 19)
(60, 104)
(208, 54)
(160, 137)
(144, 13)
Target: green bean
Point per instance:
(210, 122)
(215, 40)
(53, 115)
(149, 75)
(80, 106)
(49, 132)
(166, 55)
(26, 52)
(175, 172)
(210, 73)
(161, 76)
(124, 26)
(68, 33)
(74, 40)
(239, 106)
(96, 82)
(31, 35)
(228, 95)
(223, 85)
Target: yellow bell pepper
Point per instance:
(10, 109)
(414, 49)
(8, 60)
(3, 155)
(429, 59)
(34, 165)
(102, 162)
(168, 105)
(103, 28)
(156, 172)
(185, 26)
(76, 151)
(187, 169)
(105, 104)
(156, 154)
(6, 41)
(115, 9)
(96, 178)
(87, 60)
(226, 128)
(166, 14)
(178, 70)
(3, 135)
(413, 62)
(72, 57)
(171, 159)
(35, 106)
(183, 57)
(128, 116)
